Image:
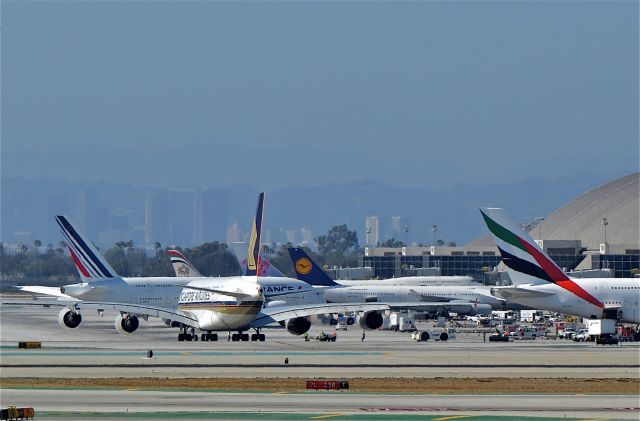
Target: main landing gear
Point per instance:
(189, 335)
(244, 337)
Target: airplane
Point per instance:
(208, 304)
(278, 289)
(541, 284)
(415, 281)
(101, 283)
(457, 299)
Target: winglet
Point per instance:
(90, 264)
(181, 266)
(253, 258)
(525, 257)
(307, 270)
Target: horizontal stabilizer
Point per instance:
(236, 294)
(510, 293)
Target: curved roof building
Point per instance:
(582, 219)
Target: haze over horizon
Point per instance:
(270, 95)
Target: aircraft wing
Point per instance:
(280, 313)
(235, 294)
(137, 309)
(52, 291)
(426, 306)
(511, 293)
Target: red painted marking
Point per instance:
(174, 253)
(559, 277)
(79, 264)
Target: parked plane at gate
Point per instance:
(541, 283)
(458, 299)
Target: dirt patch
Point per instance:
(389, 385)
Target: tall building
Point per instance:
(372, 230)
(306, 237)
(396, 227)
(157, 217)
(215, 215)
(184, 210)
(234, 234)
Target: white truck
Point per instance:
(437, 335)
(603, 330)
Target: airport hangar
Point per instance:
(574, 237)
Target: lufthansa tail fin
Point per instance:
(181, 266)
(90, 264)
(253, 257)
(307, 270)
(524, 257)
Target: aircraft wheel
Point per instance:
(180, 337)
(234, 337)
(261, 337)
(244, 337)
(204, 337)
(213, 337)
(254, 337)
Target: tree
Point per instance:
(339, 246)
(392, 242)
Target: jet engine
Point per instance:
(299, 325)
(68, 318)
(371, 320)
(126, 325)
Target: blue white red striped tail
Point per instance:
(90, 264)
(181, 266)
(253, 257)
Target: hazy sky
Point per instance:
(275, 93)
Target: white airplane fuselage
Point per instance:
(414, 281)
(166, 291)
(622, 293)
(216, 311)
(401, 293)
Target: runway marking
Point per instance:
(453, 417)
(320, 417)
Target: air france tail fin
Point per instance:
(90, 264)
(307, 270)
(181, 266)
(253, 257)
(525, 258)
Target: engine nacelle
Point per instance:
(371, 320)
(68, 318)
(299, 325)
(126, 325)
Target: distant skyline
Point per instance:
(269, 95)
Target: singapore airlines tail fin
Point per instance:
(307, 270)
(253, 258)
(527, 262)
(90, 264)
(181, 266)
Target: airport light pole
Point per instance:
(368, 230)
(539, 219)
(406, 235)
(434, 229)
(605, 222)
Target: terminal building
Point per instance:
(596, 234)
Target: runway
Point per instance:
(127, 401)
(95, 349)
(99, 350)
